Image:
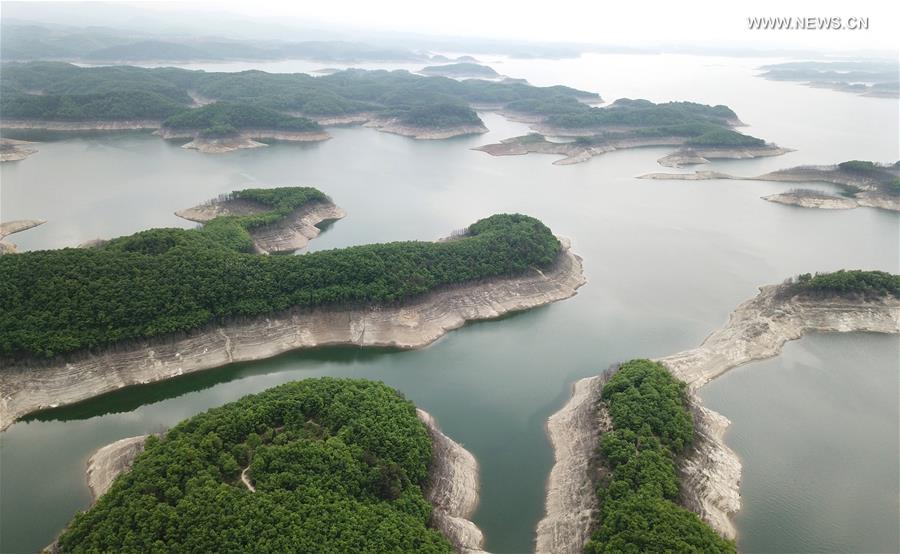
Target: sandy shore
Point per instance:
(12, 150)
(416, 323)
(109, 462)
(695, 155)
(246, 138)
(394, 126)
(865, 192)
(577, 152)
(452, 489)
(289, 235)
(806, 200)
(16, 226)
(41, 125)
(572, 152)
(571, 501)
(710, 471)
(452, 486)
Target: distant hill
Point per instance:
(460, 70)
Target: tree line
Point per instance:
(165, 281)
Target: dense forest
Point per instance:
(651, 426)
(111, 106)
(222, 118)
(165, 281)
(337, 465)
(34, 89)
(870, 284)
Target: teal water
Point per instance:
(666, 262)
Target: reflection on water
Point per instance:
(665, 261)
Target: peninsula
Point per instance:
(174, 301)
(700, 132)
(864, 183)
(709, 472)
(298, 211)
(319, 464)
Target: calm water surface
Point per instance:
(666, 262)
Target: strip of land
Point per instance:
(866, 184)
(411, 324)
(710, 471)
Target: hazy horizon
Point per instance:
(710, 25)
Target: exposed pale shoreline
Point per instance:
(577, 152)
(289, 235)
(396, 127)
(710, 472)
(865, 192)
(245, 138)
(16, 226)
(29, 387)
(571, 497)
(452, 485)
(12, 150)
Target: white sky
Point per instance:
(619, 22)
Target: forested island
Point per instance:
(48, 95)
(863, 183)
(464, 70)
(324, 465)
(78, 322)
(654, 404)
(703, 132)
(866, 78)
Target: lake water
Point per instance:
(666, 262)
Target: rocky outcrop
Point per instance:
(809, 200)
(697, 155)
(110, 461)
(452, 484)
(288, 235)
(709, 471)
(452, 489)
(571, 501)
(16, 226)
(15, 150)
(28, 387)
(395, 126)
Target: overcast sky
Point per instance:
(620, 22)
